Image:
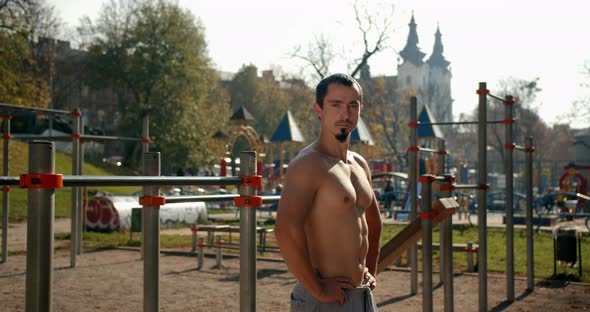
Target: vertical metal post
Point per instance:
(482, 197)
(151, 230)
(201, 251)
(529, 214)
(145, 148)
(247, 237)
(413, 179)
(75, 218)
(426, 203)
(5, 189)
(442, 226)
(470, 257)
(41, 206)
(219, 251)
(509, 167)
(447, 239)
(80, 196)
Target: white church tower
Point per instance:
(430, 80)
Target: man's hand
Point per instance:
(369, 279)
(333, 289)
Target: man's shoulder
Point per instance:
(307, 157)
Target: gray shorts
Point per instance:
(359, 299)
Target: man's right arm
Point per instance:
(294, 207)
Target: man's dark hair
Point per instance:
(343, 79)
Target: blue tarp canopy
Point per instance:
(427, 131)
(287, 131)
(361, 134)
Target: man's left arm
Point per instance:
(374, 224)
(373, 217)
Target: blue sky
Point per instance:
(484, 40)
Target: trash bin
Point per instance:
(567, 247)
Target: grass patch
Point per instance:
(19, 155)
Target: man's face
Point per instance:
(341, 111)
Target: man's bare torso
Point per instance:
(336, 229)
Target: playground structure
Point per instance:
(40, 197)
(77, 138)
(41, 182)
(409, 237)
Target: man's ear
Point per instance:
(362, 107)
(318, 110)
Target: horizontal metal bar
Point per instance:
(35, 109)
(86, 137)
(216, 198)
(7, 180)
(496, 97)
(147, 180)
(449, 123)
(69, 138)
(430, 150)
(42, 137)
(520, 147)
(69, 180)
(467, 186)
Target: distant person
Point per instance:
(328, 224)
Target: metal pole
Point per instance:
(145, 148)
(529, 214)
(41, 206)
(447, 239)
(5, 189)
(247, 237)
(413, 180)
(151, 230)
(80, 196)
(442, 226)
(426, 204)
(509, 166)
(75, 218)
(482, 198)
(200, 245)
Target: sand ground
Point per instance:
(112, 280)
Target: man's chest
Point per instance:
(348, 183)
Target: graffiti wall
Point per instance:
(113, 213)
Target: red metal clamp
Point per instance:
(41, 181)
(248, 201)
(508, 121)
(76, 135)
(509, 146)
(427, 215)
(447, 187)
(475, 250)
(484, 186)
(194, 228)
(147, 140)
(6, 189)
(6, 137)
(251, 181)
(413, 148)
(77, 113)
(426, 178)
(7, 117)
(509, 102)
(529, 150)
(413, 124)
(152, 200)
(200, 245)
(442, 152)
(482, 91)
(218, 243)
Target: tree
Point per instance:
(155, 54)
(374, 30)
(22, 80)
(580, 113)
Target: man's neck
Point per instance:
(333, 147)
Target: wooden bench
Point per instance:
(460, 248)
(212, 229)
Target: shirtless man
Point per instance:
(328, 224)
